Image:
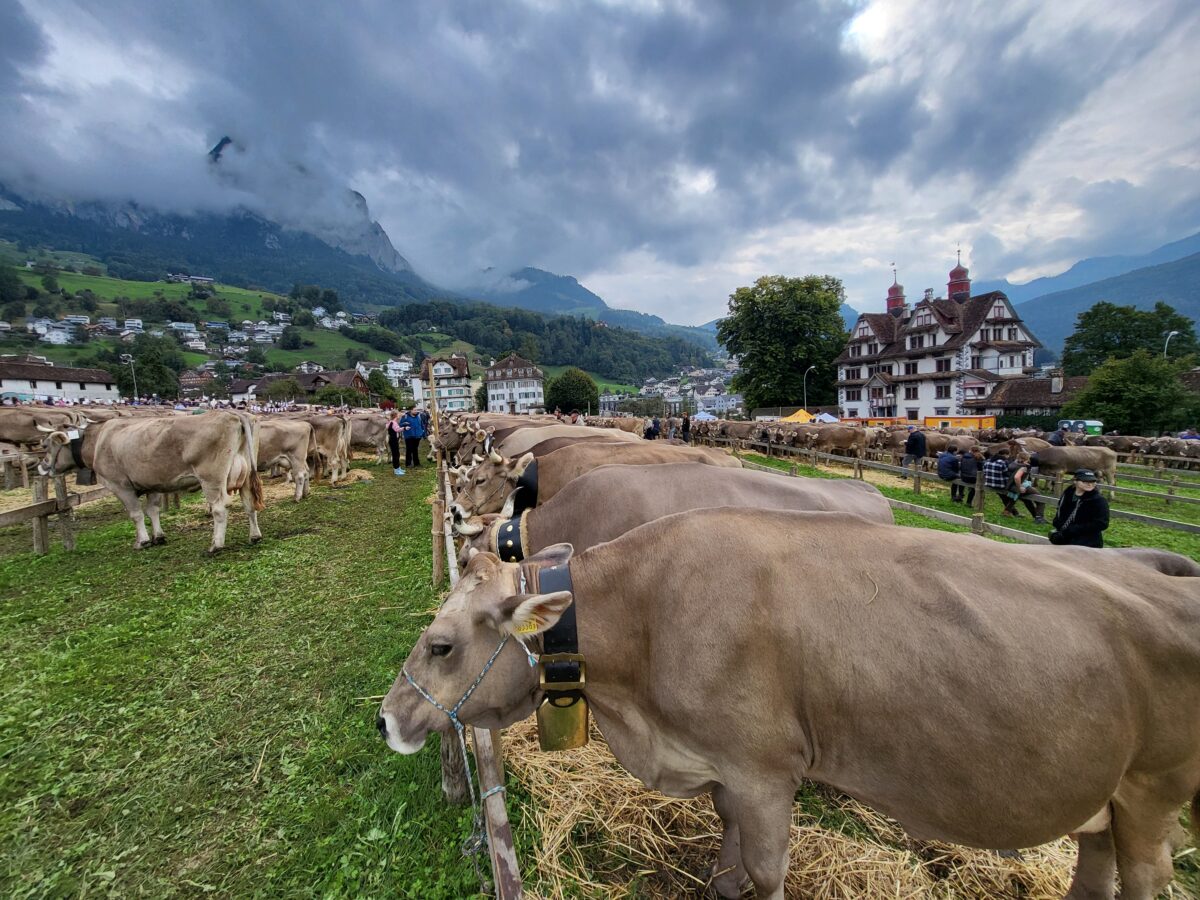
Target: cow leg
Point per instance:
(1096, 867)
(133, 506)
(763, 813)
(1144, 817)
(251, 514)
(729, 875)
(218, 506)
(300, 477)
(154, 504)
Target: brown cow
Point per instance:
(331, 447)
(607, 502)
(1065, 460)
(494, 479)
(133, 457)
(871, 686)
(288, 444)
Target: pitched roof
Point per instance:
(1028, 392)
(960, 321)
(457, 363)
(34, 371)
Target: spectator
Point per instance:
(410, 425)
(1190, 434)
(1082, 513)
(393, 438)
(995, 477)
(968, 471)
(1058, 438)
(576, 418)
(686, 429)
(1022, 485)
(425, 420)
(948, 469)
(914, 449)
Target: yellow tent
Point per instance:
(799, 415)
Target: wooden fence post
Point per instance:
(980, 495)
(24, 471)
(1171, 489)
(439, 565)
(977, 523)
(858, 469)
(41, 529)
(66, 516)
(10, 476)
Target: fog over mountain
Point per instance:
(661, 153)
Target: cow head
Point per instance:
(489, 486)
(486, 617)
(57, 446)
(476, 533)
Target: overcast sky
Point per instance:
(662, 152)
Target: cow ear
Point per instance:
(527, 614)
(554, 555)
(520, 466)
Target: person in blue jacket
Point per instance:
(948, 470)
(413, 429)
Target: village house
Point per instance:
(514, 385)
(934, 358)
(28, 380)
(1040, 395)
(452, 381)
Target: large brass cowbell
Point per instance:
(562, 721)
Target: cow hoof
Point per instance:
(255, 538)
(142, 545)
(213, 551)
(159, 541)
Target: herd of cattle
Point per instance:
(743, 632)
(147, 452)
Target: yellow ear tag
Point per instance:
(529, 627)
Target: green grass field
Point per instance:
(605, 385)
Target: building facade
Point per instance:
(48, 382)
(936, 358)
(514, 385)
(452, 381)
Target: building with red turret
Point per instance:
(934, 358)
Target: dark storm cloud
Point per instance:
(561, 134)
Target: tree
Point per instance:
(50, 284)
(256, 357)
(1107, 331)
(14, 310)
(157, 362)
(290, 339)
(378, 384)
(1141, 394)
(44, 309)
(481, 400)
(304, 319)
(573, 389)
(284, 389)
(779, 328)
(11, 287)
(334, 395)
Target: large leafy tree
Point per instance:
(573, 389)
(1141, 394)
(11, 286)
(157, 363)
(779, 327)
(1107, 331)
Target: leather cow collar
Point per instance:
(527, 489)
(563, 669)
(83, 475)
(508, 538)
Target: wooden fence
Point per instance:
(61, 505)
(918, 472)
(487, 747)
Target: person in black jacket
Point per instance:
(947, 469)
(968, 471)
(914, 448)
(1082, 513)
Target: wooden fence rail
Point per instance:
(486, 745)
(61, 505)
(917, 472)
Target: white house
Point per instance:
(452, 381)
(27, 380)
(514, 385)
(935, 358)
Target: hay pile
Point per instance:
(603, 834)
(278, 490)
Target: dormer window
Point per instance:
(864, 330)
(999, 311)
(923, 317)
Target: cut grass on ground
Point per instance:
(173, 724)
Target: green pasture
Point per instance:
(329, 349)
(12, 256)
(606, 385)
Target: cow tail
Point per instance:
(256, 488)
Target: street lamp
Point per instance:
(1167, 342)
(128, 360)
(806, 371)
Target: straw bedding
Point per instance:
(603, 834)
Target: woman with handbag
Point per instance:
(1082, 513)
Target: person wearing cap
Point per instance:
(915, 448)
(1082, 513)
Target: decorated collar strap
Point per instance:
(563, 669)
(527, 489)
(509, 538)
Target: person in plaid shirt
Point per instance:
(995, 477)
